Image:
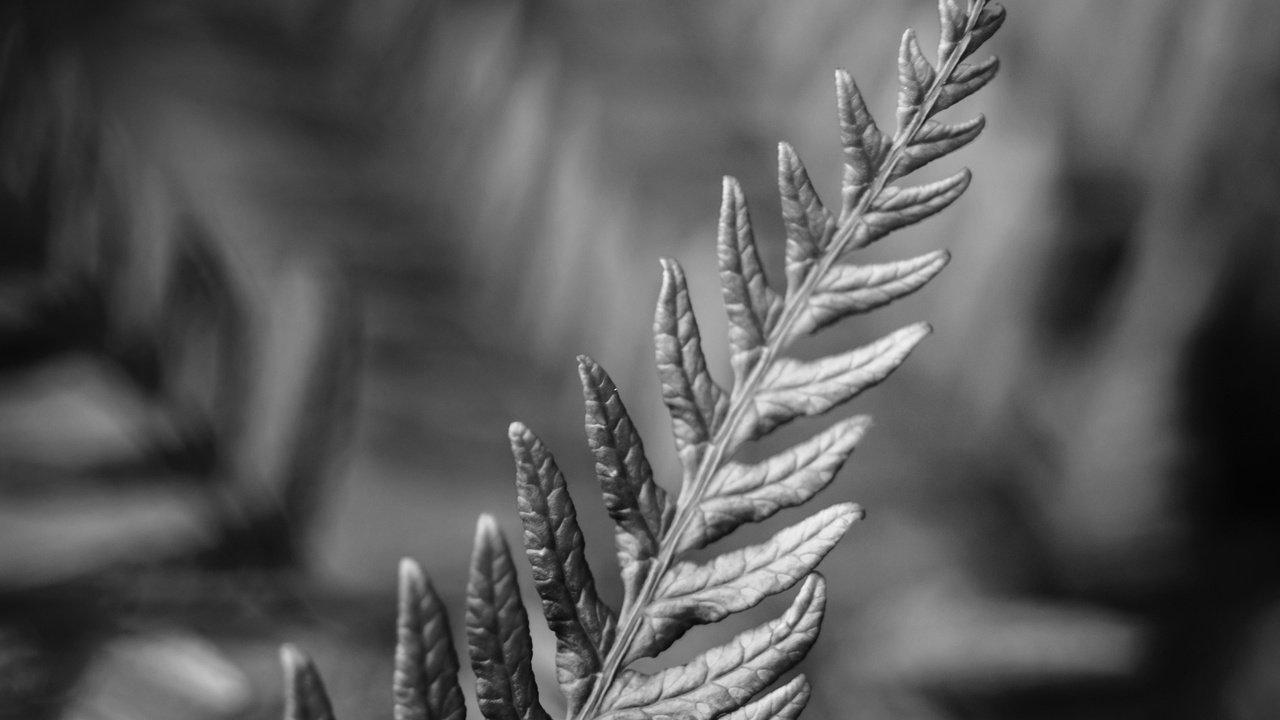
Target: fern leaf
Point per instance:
(425, 686)
(582, 623)
(640, 508)
(851, 289)
(697, 405)
(784, 703)
(968, 79)
(952, 19)
(794, 388)
(955, 24)
(727, 677)
(934, 141)
(989, 20)
(753, 307)
(304, 694)
(750, 493)
(865, 147)
(498, 631)
(897, 208)
(700, 593)
(808, 224)
(915, 77)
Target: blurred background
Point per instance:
(275, 277)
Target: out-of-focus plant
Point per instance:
(666, 591)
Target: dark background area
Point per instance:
(275, 277)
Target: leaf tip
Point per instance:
(487, 532)
(673, 280)
(938, 259)
(730, 188)
(842, 516)
(590, 373)
(519, 433)
(813, 591)
(292, 659)
(412, 578)
(787, 157)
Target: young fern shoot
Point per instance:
(665, 594)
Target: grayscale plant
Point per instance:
(665, 594)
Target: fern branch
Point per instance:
(837, 239)
(665, 594)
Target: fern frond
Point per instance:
(710, 424)
(665, 592)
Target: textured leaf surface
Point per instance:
(967, 80)
(727, 677)
(935, 140)
(425, 684)
(753, 307)
(851, 289)
(304, 694)
(640, 508)
(989, 21)
(699, 593)
(582, 623)
(498, 631)
(784, 703)
(808, 223)
(794, 388)
(697, 405)
(750, 493)
(897, 207)
(915, 77)
(865, 147)
(952, 20)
